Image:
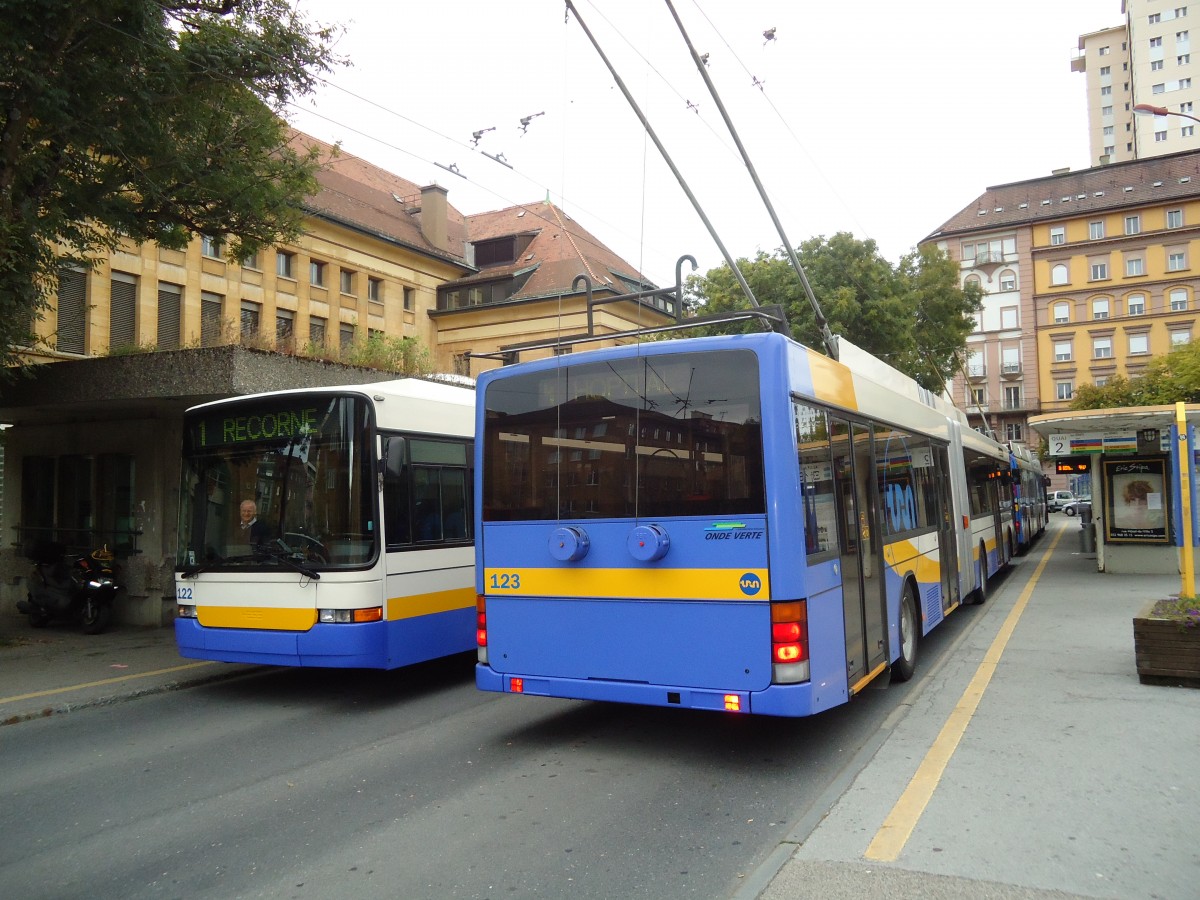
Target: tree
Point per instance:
(1167, 379)
(914, 316)
(147, 120)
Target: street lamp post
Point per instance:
(1149, 109)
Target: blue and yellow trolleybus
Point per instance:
(1029, 496)
(328, 527)
(728, 523)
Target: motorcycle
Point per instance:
(73, 588)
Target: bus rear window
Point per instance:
(648, 436)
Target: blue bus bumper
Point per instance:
(777, 700)
(333, 646)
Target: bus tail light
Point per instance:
(481, 654)
(186, 611)
(348, 616)
(789, 642)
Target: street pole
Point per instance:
(1187, 568)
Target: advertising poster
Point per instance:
(1136, 502)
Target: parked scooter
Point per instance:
(71, 588)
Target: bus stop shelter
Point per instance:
(1143, 467)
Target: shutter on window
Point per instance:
(72, 309)
(168, 316)
(210, 320)
(121, 311)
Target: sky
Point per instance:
(879, 118)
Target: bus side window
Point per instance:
(397, 528)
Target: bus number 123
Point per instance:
(506, 581)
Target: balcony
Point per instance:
(976, 373)
(1011, 370)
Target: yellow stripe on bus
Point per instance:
(427, 604)
(832, 382)
(265, 617)
(650, 584)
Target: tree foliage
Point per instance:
(145, 120)
(915, 316)
(1167, 379)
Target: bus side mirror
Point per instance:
(393, 463)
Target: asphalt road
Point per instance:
(413, 784)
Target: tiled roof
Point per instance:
(561, 249)
(1134, 183)
(362, 195)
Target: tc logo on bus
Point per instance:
(750, 584)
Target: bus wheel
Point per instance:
(981, 594)
(906, 663)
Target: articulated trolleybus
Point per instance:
(731, 523)
(328, 527)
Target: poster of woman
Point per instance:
(1136, 500)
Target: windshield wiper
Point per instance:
(279, 551)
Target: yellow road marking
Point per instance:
(898, 827)
(119, 678)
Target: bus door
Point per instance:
(947, 545)
(862, 573)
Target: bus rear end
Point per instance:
(623, 545)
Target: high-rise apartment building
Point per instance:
(1147, 60)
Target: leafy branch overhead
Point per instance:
(915, 315)
(146, 120)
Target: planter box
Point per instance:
(1167, 650)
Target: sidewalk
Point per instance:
(1070, 777)
(44, 671)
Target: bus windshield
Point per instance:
(648, 436)
(278, 480)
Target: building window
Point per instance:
(375, 290)
(1179, 338)
(1181, 36)
(1174, 218)
(346, 281)
(1106, 91)
(1135, 266)
(1156, 65)
(1102, 348)
(1058, 274)
(1099, 271)
(1100, 308)
(284, 328)
(975, 367)
(346, 336)
(1183, 59)
(316, 331)
(1185, 84)
(1139, 344)
(1096, 230)
(1156, 41)
(170, 315)
(1014, 431)
(122, 311)
(409, 298)
(1179, 299)
(252, 261)
(1010, 360)
(1135, 305)
(285, 264)
(1158, 88)
(1154, 18)
(1062, 351)
(1105, 70)
(250, 319)
(1062, 313)
(1008, 281)
(210, 246)
(1012, 397)
(1176, 261)
(1187, 131)
(316, 273)
(1106, 110)
(1159, 137)
(1058, 235)
(1008, 317)
(1133, 224)
(211, 306)
(1064, 390)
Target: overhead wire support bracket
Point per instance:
(666, 157)
(827, 336)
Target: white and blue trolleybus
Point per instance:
(328, 527)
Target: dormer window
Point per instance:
(498, 252)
